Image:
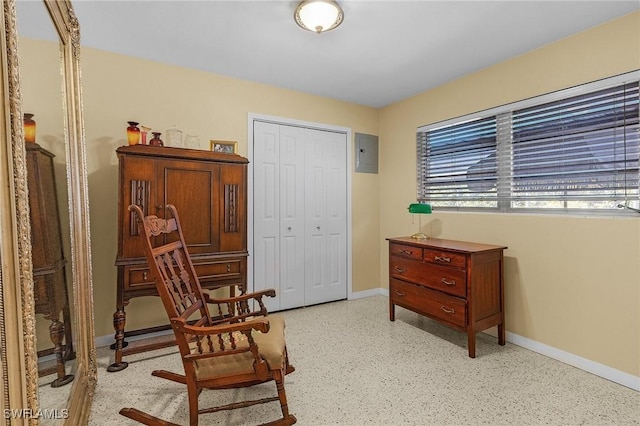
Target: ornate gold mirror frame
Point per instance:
(18, 357)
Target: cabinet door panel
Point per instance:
(232, 208)
(137, 179)
(46, 235)
(192, 187)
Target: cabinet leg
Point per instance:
(392, 311)
(502, 339)
(119, 319)
(56, 332)
(69, 353)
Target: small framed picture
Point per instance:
(228, 147)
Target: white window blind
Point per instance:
(566, 151)
(458, 164)
(581, 151)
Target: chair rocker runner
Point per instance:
(238, 347)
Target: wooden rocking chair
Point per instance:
(239, 347)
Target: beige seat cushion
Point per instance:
(271, 346)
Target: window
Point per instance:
(575, 150)
(458, 164)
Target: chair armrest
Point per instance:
(258, 324)
(255, 295)
(238, 308)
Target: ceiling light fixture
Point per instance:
(318, 15)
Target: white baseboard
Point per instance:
(108, 340)
(606, 372)
(601, 370)
(368, 293)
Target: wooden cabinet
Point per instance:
(47, 256)
(209, 190)
(457, 283)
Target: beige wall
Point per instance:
(572, 283)
(118, 89)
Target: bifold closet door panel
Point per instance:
(292, 217)
(266, 210)
(325, 210)
(279, 213)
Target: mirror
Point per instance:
(62, 134)
(41, 96)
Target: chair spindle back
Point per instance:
(176, 281)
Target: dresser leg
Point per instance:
(502, 339)
(471, 341)
(392, 311)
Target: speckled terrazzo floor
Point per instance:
(355, 367)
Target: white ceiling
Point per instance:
(383, 52)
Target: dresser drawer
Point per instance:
(429, 302)
(444, 278)
(445, 258)
(141, 278)
(406, 251)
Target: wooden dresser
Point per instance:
(457, 283)
(47, 255)
(209, 190)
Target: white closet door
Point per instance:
(325, 210)
(300, 214)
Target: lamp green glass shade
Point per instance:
(420, 208)
(417, 208)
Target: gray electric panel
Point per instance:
(366, 153)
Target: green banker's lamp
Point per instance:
(419, 209)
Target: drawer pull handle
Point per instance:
(144, 275)
(407, 252)
(444, 259)
(447, 310)
(449, 283)
(400, 270)
(228, 268)
(400, 293)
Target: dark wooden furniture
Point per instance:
(231, 348)
(457, 283)
(49, 278)
(211, 189)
